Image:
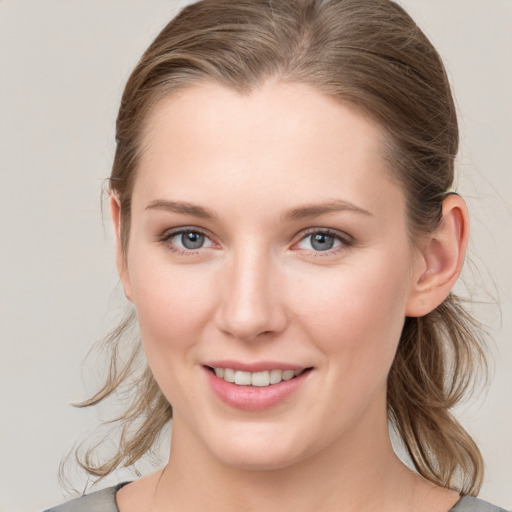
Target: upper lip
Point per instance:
(253, 367)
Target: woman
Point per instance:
(281, 198)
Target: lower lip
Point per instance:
(254, 398)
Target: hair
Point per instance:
(368, 54)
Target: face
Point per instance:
(268, 246)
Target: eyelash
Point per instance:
(168, 235)
(345, 240)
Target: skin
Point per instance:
(258, 290)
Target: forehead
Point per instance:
(276, 109)
(282, 137)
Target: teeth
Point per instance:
(229, 374)
(243, 378)
(288, 374)
(276, 376)
(259, 379)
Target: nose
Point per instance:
(252, 305)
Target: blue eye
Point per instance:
(189, 240)
(320, 241)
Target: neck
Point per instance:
(358, 472)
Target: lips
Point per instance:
(254, 387)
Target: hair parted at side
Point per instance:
(366, 53)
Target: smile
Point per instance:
(265, 387)
(259, 379)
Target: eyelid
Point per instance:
(168, 234)
(327, 231)
(345, 239)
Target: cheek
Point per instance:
(356, 314)
(172, 303)
(172, 306)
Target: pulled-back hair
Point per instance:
(371, 55)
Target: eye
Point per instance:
(187, 240)
(321, 241)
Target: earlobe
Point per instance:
(122, 269)
(441, 259)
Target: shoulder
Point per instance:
(471, 504)
(99, 501)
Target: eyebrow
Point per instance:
(315, 210)
(300, 213)
(181, 207)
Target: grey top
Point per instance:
(470, 504)
(99, 501)
(105, 501)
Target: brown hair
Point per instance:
(369, 54)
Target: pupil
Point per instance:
(322, 242)
(192, 240)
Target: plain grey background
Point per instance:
(63, 64)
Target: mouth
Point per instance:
(256, 386)
(265, 387)
(263, 378)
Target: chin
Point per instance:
(253, 452)
(257, 461)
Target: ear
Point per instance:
(441, 258)
(122, 268)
